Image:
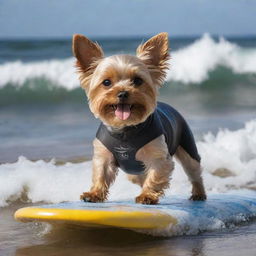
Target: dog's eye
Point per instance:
(137, 81)
(106, 82)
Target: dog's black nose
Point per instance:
(122, 95)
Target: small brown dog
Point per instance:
(137, 134)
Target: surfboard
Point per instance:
(177, 215)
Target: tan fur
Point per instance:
(88, 55)
(137, 179)
(155, 54)
(104, 173)
(121, 69)
(159, 166)
(150, 65)
(193, 170)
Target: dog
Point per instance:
(138, 134)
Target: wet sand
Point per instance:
(29, 239)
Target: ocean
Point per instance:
(46, 133)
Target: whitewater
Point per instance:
(228, 160)
(228, 154)
(190, 64)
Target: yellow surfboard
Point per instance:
(97, 215)
(176, 214)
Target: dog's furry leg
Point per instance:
(104, 173)
(159, 166)
(137, 179)
(193, 170)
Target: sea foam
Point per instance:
(191, 64)
(220, 211)
(60, 72)
(194, 63)
(231, 152)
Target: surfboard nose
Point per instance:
(120, 217)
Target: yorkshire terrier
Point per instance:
(138, 134)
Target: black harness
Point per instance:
(165, 120)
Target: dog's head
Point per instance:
(122, 89)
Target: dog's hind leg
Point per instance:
(104, 174)
(193, 170)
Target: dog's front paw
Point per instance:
(146, 199)
(92, 197)
(198, 197)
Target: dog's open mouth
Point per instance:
(122, 111)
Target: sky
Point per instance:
(117, 18)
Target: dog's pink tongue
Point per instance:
(123, 111)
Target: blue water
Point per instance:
(46, 115)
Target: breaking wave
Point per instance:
(228, 159)
(192, 64)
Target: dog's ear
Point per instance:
(87, 54)
(85, 51)
(155, 54)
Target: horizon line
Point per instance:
(125, 37)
